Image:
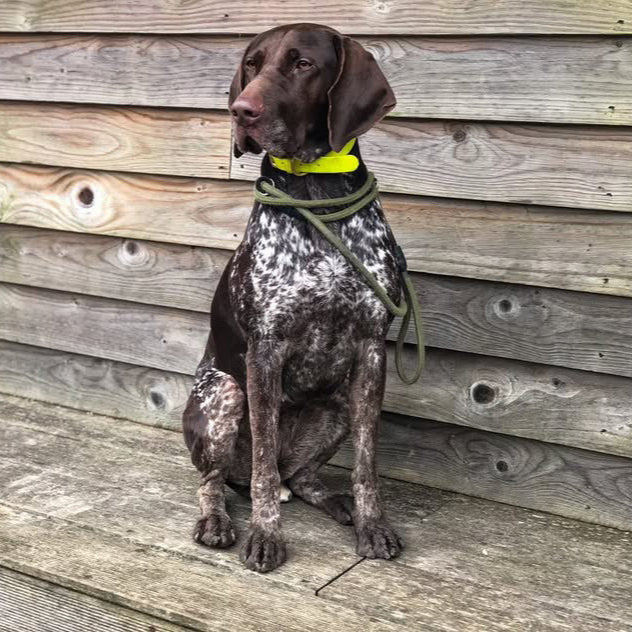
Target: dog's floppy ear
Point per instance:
(360, 95)
(236, 86)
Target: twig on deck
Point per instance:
(338, 576)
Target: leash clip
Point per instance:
(259, 181)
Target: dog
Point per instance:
(296, 356)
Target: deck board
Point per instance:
(104, 508)
(31, 605)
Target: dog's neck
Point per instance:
(317, 186)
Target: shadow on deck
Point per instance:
(95, 534)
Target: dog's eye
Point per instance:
(250, 62)
(304, 64)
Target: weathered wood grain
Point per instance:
(456, 575)
(398, 16)
(149, 579)
(549, 404)
(178, 210)
(530, 551)
(178, 142)
(173, 339)
(573, 329)
(401, 583)
(170, 275)
(189, 72)
(562, 80)
(566, 481)
(557, 327)
(116, 389)
(576, 166)
(31, 605)
(541, 563)
(573, 249)
(146, 335)
(158, 527)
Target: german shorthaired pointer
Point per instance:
(296, 355)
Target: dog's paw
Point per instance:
(340, 508)
(376, 539)
(263, 552)
(215, 530)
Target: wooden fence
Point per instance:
(507, 172)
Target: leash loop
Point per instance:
(260, 180)
(266, 193)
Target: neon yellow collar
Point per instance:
(333, 162)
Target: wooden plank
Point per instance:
(537, 555)
(550, 556)
(549, 404)
(562, 80)
(31, 605)
(400, 583)
(146, 578)
(178, 210)
(544, 403)
(586, 167)
(571, 329)
(170, 275)
(147, 500)
(87, 383)
(573, 249)
(576, 166)
(189, 72)
(561, 480)
(146, 335)
(399, 16)
(483, 575)
(173, 339)
(178, 142)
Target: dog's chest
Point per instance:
(290, 284)
(295, 282)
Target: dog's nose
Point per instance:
(246, 110)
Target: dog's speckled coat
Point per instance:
(294, 362)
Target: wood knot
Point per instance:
(86, 196)
(459, 136)
(157, 399)
(504, 305)
(483, 393)
(131, 253)
(131, 247)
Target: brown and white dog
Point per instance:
(296, 355)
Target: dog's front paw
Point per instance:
(376, 539)
(215, 530)
(263, 551)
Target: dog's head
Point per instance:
(303, 89)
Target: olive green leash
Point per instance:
(267, 193)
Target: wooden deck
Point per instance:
(96, 515)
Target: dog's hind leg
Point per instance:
(211, 422)
(321, 428)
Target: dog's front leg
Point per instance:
(375, 537)
(264, 548)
